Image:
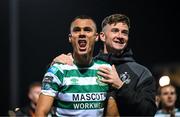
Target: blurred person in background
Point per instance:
(33, 96)
(167, 96)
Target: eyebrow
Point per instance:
(84, 28)
(123, 31)
(88, 29)
(76, 29)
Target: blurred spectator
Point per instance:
(167, 96)
(33, 95)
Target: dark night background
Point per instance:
(43, 27)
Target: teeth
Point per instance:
(82, 43)
(120, 41)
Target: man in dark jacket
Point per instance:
(132, 85)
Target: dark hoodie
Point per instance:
(137, 95)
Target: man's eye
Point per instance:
(165, 93)
(115, 30)
(87, 29)
(125, 32)
(76, 29)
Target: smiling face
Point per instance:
(83, 36)
(115, 37)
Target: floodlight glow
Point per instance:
(164, 80)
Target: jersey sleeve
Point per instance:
(52, 80)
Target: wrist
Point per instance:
(120, 85)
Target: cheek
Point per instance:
(73, 42)
(166, 98)
(174, 97)
(110, 37)
(108, 40)
(163, 98)
(91, 39)
(126, 38)
(91, 42)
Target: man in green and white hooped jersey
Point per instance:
(75, 90)
(78, 90)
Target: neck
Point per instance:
(83, 60)
(168, 109)
(109, 50)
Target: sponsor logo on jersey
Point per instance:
(74, 81)
(47, 79)
(89, 97)
(88, 105)
(53, 70)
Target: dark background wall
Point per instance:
(4, 58)
(43, 27)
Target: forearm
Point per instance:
(40, 113)
(44, 105)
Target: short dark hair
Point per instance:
(84, 17)
(115, 18)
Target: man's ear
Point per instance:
(30, 96)
(69, 38)
(97, 37)
(102, 36)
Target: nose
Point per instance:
(169, 96)
(82, 32)
(82, 36)
(119, 34)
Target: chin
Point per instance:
(118, 49)
(82, 52)
(118, 46)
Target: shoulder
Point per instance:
(139, 69)
(61, 67)
(160, 113)
(177, 112)
(142, 72)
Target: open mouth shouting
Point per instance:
(82, 44)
